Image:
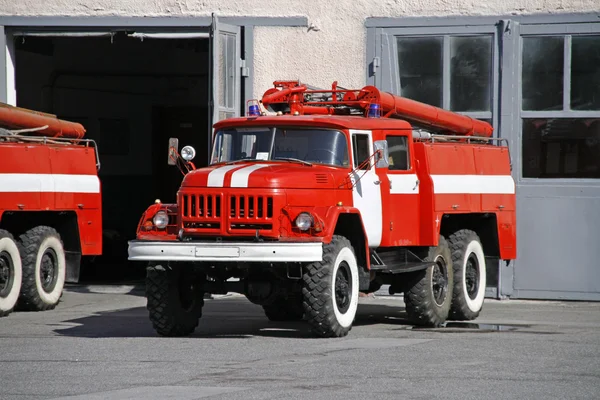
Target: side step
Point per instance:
(397, 261)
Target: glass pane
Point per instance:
(561, 148)
(470, 73)
(543, 66)
(398, 153)
(222, 68)
(225, 115)
(361, 150)
(230, 85)
(420, 64)
(585, 73)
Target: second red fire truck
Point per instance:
(318, 195)
(50, 207)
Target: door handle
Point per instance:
(377, 182)
(416, 184)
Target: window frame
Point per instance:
(355, 163)
(391, 68)
(567, 31)
(409, 153)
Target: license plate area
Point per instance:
(220, 252)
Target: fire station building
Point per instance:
(135, 73)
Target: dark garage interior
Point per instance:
(131, 93)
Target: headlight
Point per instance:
(304, 221)
(161, 220)
(188, 153)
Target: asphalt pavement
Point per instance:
(99, 344)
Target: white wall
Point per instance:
(334, 50)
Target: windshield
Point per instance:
(322, 146)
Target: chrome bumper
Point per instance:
(143, 250)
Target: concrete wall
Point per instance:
(332, 48)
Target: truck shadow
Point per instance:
(221, 320)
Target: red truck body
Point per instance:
(394, 182)
(50, 205)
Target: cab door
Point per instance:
(402, 203)
(366, 193)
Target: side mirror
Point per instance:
(382, 157)
(173, 150)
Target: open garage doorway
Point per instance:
(132, 91)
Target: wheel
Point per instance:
(10, 273)
(289, 309)
(44, 269)
(470, 277)
(330, 290)
(175, 299)
(428, 300)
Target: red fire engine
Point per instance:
(318, 195)
(50, 207)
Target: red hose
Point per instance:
(19, 118)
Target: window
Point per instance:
(398, 153)
(451, 71)
(320, 146)
(360, 145)
(560, 106)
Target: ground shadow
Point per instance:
(221, 319)
(224, 318)
(374, 314)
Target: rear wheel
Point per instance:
(331, 290)
(428, 300)
(10, 273)
(175, 299)
(468, 261)
(44, 269)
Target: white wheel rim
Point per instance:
(474, 248)
(9, 247)
(53, 296)
(346, 318)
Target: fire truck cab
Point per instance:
(319, 195)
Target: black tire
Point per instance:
(175, 299)
(44, 269)
(428, 300)
(468, 261)
(11, 273)
(289, 309)
(330, 290)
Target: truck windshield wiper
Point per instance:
(293, 160)
(242, 160)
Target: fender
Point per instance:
(332, 227)
(146, 229)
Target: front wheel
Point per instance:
(10, 273)
(331, 290)
(175, 299)
(428, 300)
(469, 275)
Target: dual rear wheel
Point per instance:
(454, 287)
(32, 270)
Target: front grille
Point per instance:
(219, 213)
(250, 207)
(205, 206)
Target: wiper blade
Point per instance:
(293, 160)
(242, 160)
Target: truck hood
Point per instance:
(266, 174)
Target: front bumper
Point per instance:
(145, 250)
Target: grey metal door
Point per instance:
(226, 70)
